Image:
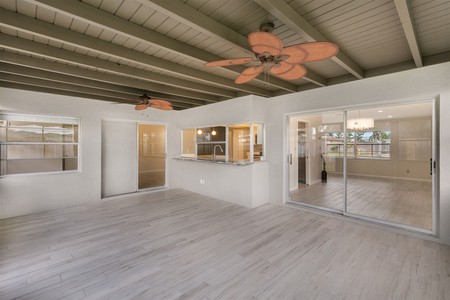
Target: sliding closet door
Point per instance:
(389, 152)
(119, 172)
(152, 156)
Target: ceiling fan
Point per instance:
(145, 102)
(284, 63)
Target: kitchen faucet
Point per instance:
(214, 151)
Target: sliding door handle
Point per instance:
(431, 166)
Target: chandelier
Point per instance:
(360, 123)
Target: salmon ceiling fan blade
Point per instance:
(294, 54)
(141, 106)
(229, 62)
(162, 107)
(315, 51)
(287, 71)
(248, 74)
(265, 42)
(159, 102)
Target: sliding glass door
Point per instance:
(133, 157)
(315, 160)
(388, 164)
(151, 156)
(379, 163)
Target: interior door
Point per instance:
(302, 152)
(119, 173)
(151, 156)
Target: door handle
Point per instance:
(290, 159)
(431, 166)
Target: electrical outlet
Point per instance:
(202, 181)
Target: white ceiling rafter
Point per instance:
(63, 86)
(291, 18)
(66, 36)
(114, 23)
(122, 92)
(36, 73)
(42, 64)
(67, 90)
(203, 23)
(404, 13)
(128, 47)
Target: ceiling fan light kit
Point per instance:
(284, 63)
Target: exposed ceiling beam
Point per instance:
(64, 86)
(41, 64)
(61, 78)
(34, 88)
(30, 72)
(177, 99)
(404, 13)
(203, 23)
(186, 14)
(139, 75)
(53, 32)
(82, 11)
(288, 16)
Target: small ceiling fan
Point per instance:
(145, 102)
(284, 63)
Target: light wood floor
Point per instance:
(179, 245)
(396, 200)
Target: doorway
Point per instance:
(302, 155)
(151, 156)
(308, 136)
(133, 157)
(379, 164)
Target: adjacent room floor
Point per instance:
(396, 200)
(177, 244)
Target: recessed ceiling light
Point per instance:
(380, 111)
(389, 116)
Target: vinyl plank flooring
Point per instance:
(175, 244)
(395, 200)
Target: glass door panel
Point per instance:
(239, 142)
(316, 160)
(151, 156)
(388, 167)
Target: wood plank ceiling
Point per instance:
(116, 50)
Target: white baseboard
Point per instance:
(378, 176)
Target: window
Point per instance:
(360, 144)
(415, 139)
(211, 142)
(34, 144)
(224, 143)
(239, 142)
(188, 142)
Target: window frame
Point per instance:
(225, 142)
(352, 146)
(7, 117)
